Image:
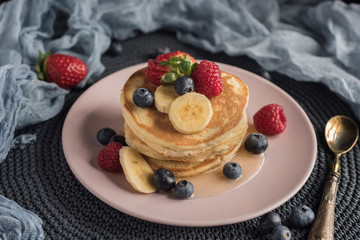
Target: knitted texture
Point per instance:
(39, 179)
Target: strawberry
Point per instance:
(177, 63)
(108, 157)
(64, 70)
(270, 119)
(207, 79)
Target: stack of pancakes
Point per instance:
(152, 134)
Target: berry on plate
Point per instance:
(232, 170)
(104, 135)
(183, 189)
(207, 79)
(118, 138)
(302, 216)
(108, 157)
(143, 98)
(270, 119)
(269, 221)
(64, 70)
(256, 143)
(183, 85)
(164, 179)
(281, 233)
(166, 68)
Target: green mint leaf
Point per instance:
(187, 58)
(169, 77)
(174, 63)
(194, 67)
(163, 63)
(178, 72)
(176, 59)
(185, 67)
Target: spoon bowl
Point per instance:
(341, 134)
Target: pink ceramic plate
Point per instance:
(289, 159)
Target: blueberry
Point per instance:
(115, 48)
(143, 97)
(159, 51)
(119, 139)
(184, 84)
(281, 233)
(232, 170)
(302, 216)
(256, 143)
(183, 189)
(164, 179)
(265, 74)
(269, 221)
(104, 135)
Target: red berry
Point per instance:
(207, 79)
(154, 71)
(108, 157)
(270, 120)
(64, 70)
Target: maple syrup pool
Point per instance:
(214, 182)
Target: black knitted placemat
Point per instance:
(39, 179)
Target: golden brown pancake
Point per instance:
(152, 134)
(152, 126)
(191, 155)
(186, 169)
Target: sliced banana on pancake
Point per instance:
(137, 171)
(164, 96)
(190, 113)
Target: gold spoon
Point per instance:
(341, 134)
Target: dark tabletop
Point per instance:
(39, 179)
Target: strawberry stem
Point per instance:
(40, 68)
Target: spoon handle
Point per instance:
(323, 227)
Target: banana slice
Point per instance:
(137, 171)
(164, 96)
(190, 113)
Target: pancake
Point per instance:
(154, 128)
(185, 169)
(242, 126)
(187, 156)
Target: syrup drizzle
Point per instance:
(214, 182)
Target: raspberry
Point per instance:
(270, 119)
(207, 79)
(108, 157)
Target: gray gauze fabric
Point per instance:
(17, 223)
(24, 100)
(306, 40)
